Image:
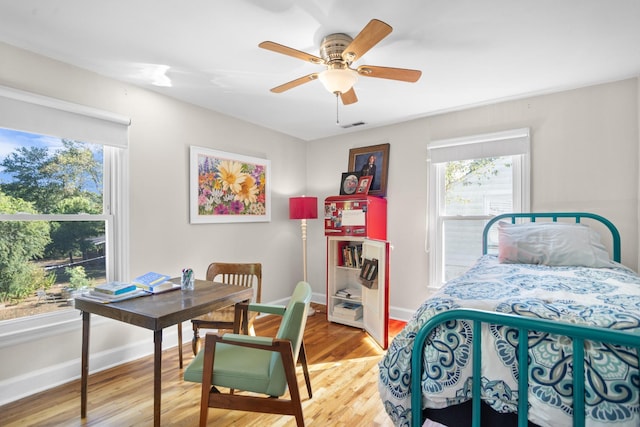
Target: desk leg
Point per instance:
(157, 376)
(84, 374)
(180, 344)
(241, 318)
(245, 319)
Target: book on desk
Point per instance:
(114, 292)
(150, 279)
(115, 288)
(154, 282)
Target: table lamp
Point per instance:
(303, 208)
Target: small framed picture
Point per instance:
(363, 184)
(349, 183)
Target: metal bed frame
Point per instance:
(577, 333)
(577, 216)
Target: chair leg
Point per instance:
(292, 382)
(195, 341)
(302, 358)
(207, 375)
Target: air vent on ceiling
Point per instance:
(352, 125)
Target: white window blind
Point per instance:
(498, 144)
(34, 113)
(456, 215)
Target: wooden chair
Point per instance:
(241, 362)
(249, 275)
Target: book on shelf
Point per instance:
(352, 255)
(115, 288)
(348, 307)
(151, 281)
(354, 317)
(347, 310)
(349, 293)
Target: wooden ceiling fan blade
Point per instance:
(289, 51)
(402, 74)
(349, 97)
(295, 83)
(370, 36)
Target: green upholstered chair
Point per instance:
(241, 362)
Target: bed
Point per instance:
(550, 294)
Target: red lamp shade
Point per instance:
(303, 207)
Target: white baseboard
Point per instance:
(402, 314)
(20, 386)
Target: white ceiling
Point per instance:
(470, 51)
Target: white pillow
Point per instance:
(551, 243)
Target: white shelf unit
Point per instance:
(374, 300)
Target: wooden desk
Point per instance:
(156, 312)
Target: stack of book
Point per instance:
(115, 291)
(348, 310)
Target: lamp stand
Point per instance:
(303, 228)
(304, 208)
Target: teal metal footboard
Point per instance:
(577, 333)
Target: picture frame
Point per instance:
(349, 183)
(372, 160)
(227, 187)
(363, 184)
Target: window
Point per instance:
(62, 216)
(471, 180)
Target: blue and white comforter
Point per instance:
(591, 296)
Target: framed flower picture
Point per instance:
(228, 187)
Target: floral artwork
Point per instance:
(228, 187)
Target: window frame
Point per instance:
(514, 143)
(38, 114)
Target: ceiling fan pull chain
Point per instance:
(337, 110)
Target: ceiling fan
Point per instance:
(337, 53)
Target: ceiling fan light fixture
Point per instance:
(338, 80)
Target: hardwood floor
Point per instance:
(342, 364)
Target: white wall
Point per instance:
(161, 238)
(584, 156)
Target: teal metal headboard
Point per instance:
(577, 216)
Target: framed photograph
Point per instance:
(228, 187)
(372, 161)
(363, 184)
(349, 183)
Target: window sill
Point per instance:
(24, 329)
